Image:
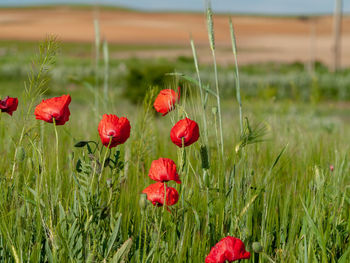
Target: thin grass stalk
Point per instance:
(97, 59)
(212, 47)
(14, 158)
(140, 236)
(106, 69)
(201, 91)
(238, 89)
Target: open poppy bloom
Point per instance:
(163, 170)
(155, 194)
(165, 101)
(113, 130)
(54, 108)
(186, 130)
(8, 105)
(228, 248)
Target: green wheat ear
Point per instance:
(210, 26)
(212, 47)
(37, 84)
(39, 77)
(238, 87)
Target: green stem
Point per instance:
(14, 158)
(218, 102)
(201, 92)
(238, 88)
(145, 239)
(140, 237)
(208, 209)
(211, 36)
(97, 59)
(56, 134)
(105, 157)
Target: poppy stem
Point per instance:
(105, 157)
(56, 134)
(161, 220)
(183, 155)
(164, 203)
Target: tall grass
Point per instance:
(279, 191)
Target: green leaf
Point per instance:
(122, 252)
(81, 144)
(113, 236)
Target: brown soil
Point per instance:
(260, 39)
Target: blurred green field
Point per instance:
(278, 189)
(131, 77)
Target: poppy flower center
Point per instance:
(112, 133)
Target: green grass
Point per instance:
(272, 185)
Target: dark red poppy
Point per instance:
(186, 129)
(8, 105)
(228, 248)
(155, 194)
(163, 170)
(54, 108)
(165, 101)
(112, 127)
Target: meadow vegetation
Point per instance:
(283, 181)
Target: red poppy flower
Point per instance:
(155, 194)
(165, 101)
(8, 105)
(228, 248)
(54, 108)
(113, 127)
(186, 129)
(163, 170)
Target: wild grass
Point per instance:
(271, 183)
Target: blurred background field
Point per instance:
(280, 57)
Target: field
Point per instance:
(260, 38)
(280, 182)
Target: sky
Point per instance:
(232, 6)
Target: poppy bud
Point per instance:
(8, 105)
(21, 154)
(54, 108)
(204, 157)
(143, 201)
(214, 110)
(165, 101)
(185, 131)
(331, 167)
(257, 247)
